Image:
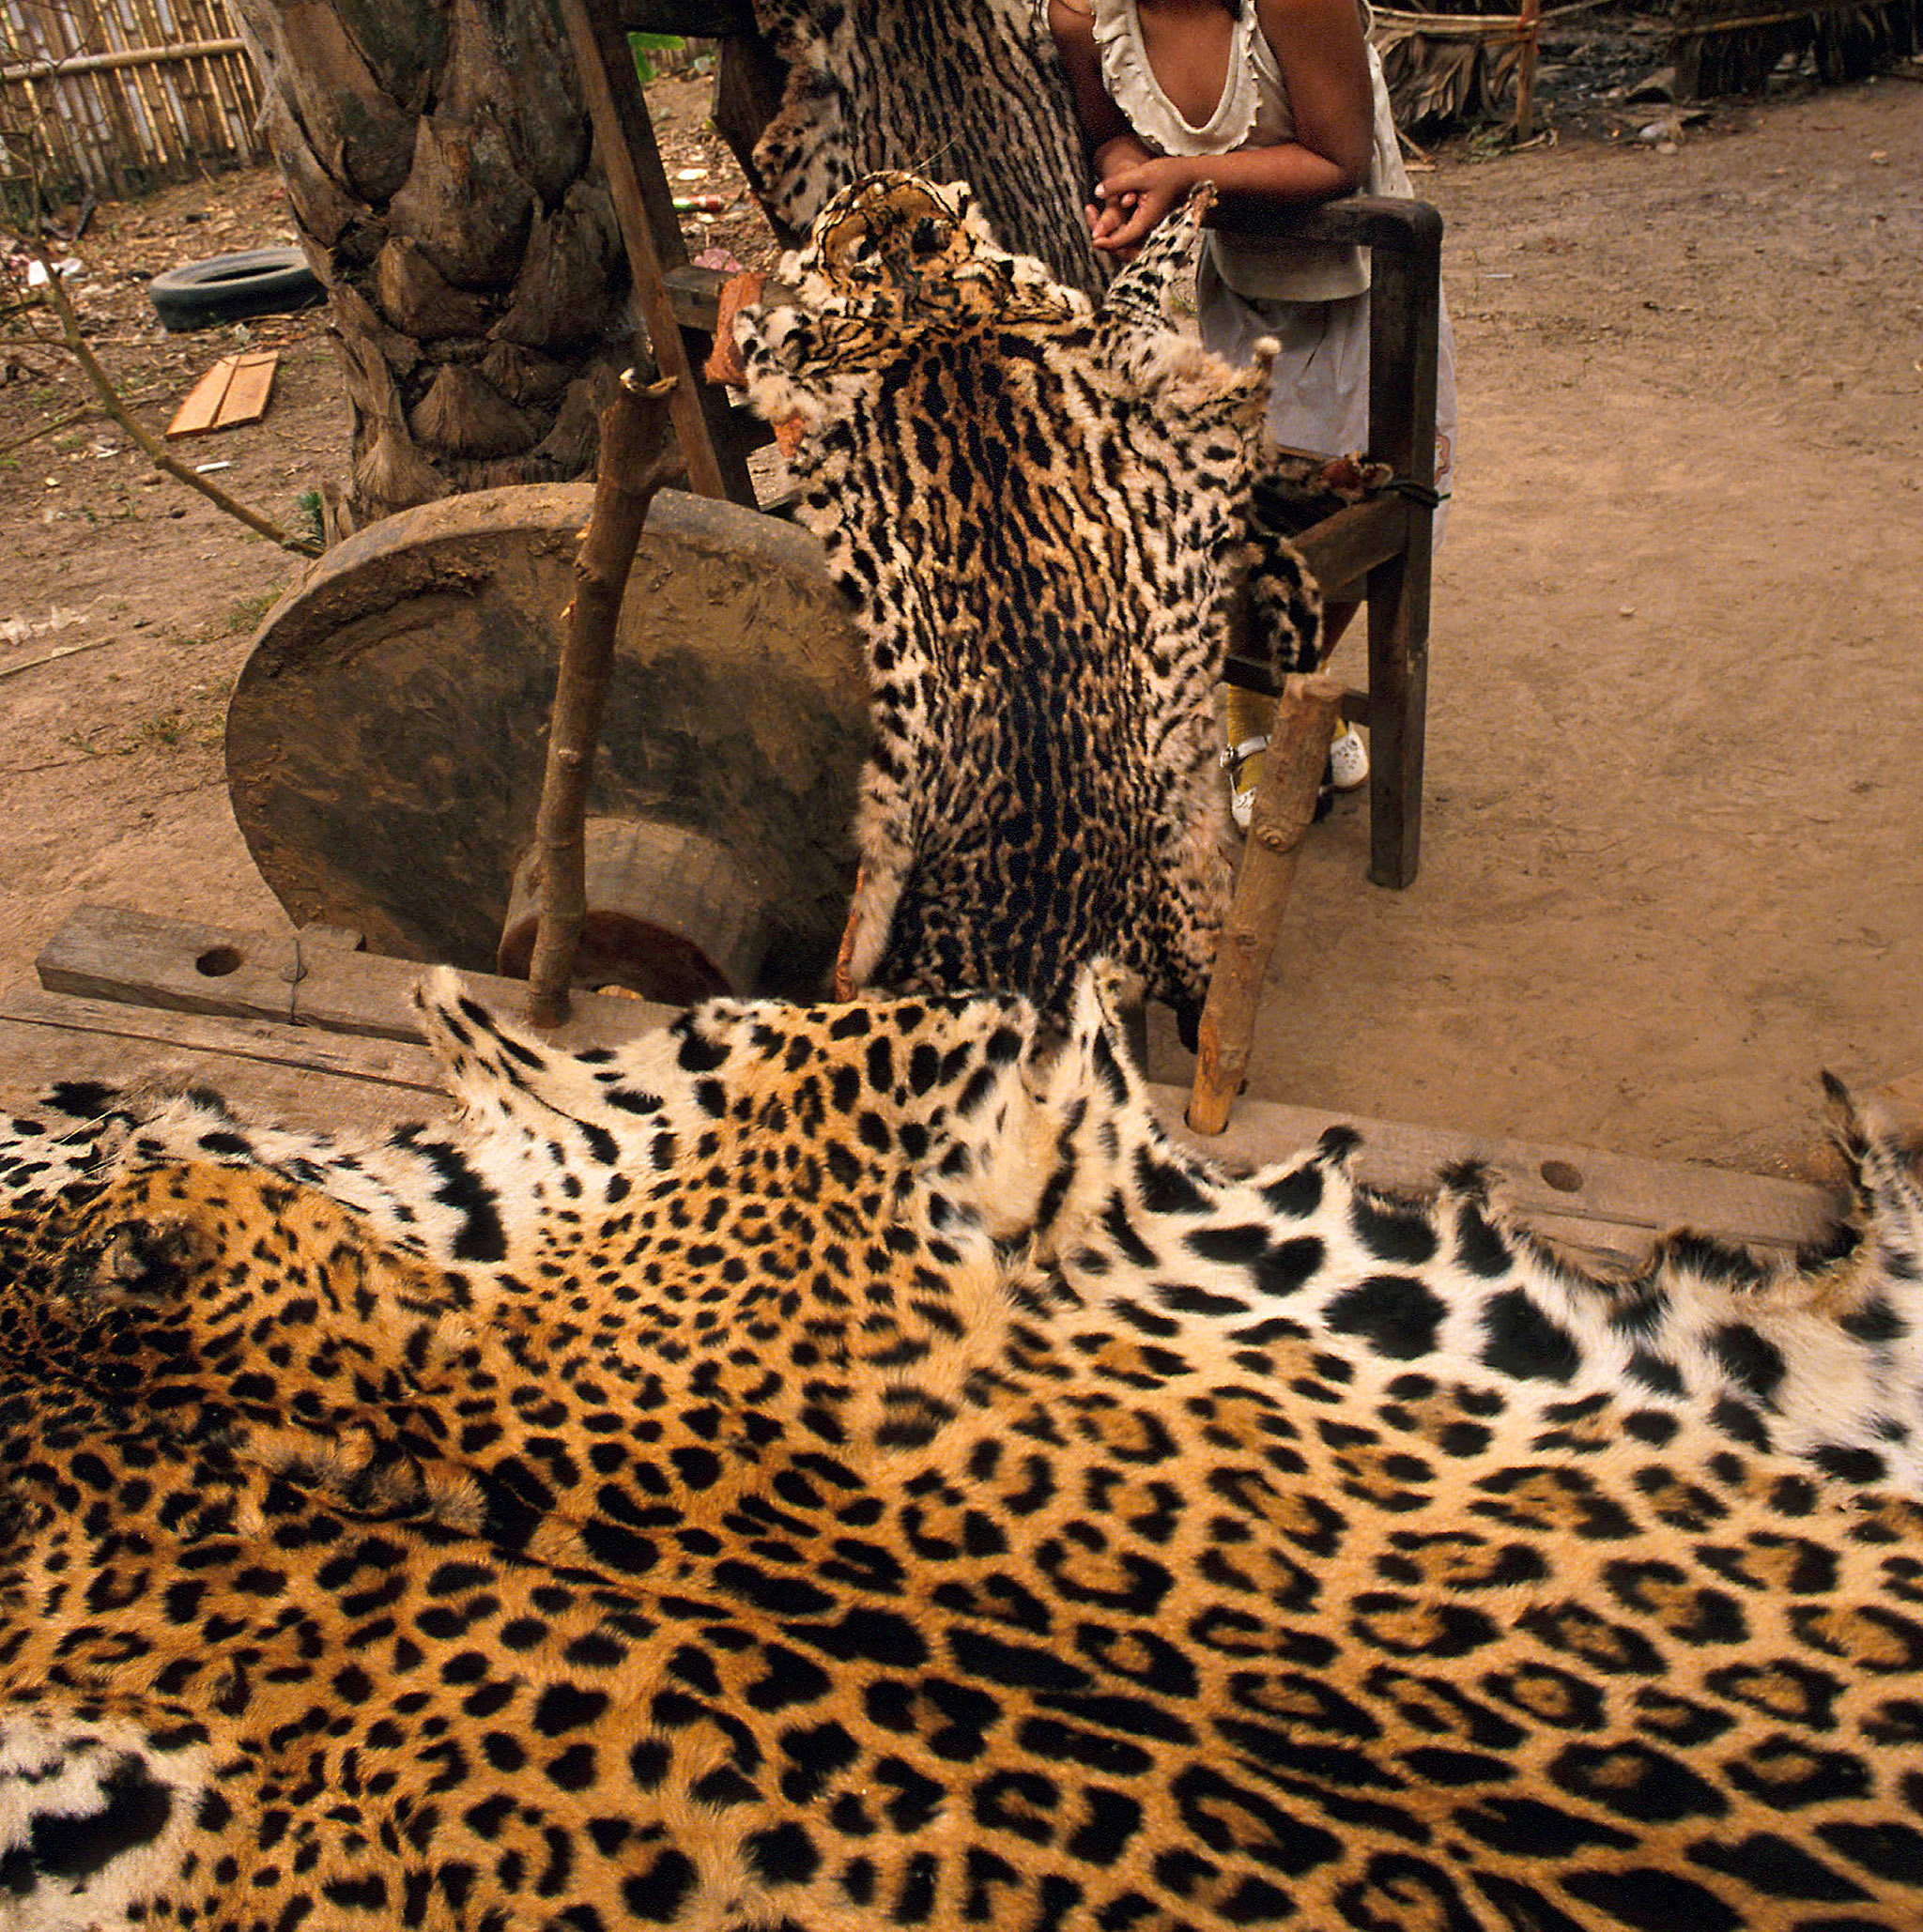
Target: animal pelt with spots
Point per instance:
(1042, 514)
(832, 1466)
(968, 89)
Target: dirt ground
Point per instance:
(1671, 855)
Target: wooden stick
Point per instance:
(638, 455)
(1529, 39)
(1284, 810)
(53, 656)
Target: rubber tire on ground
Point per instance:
(228, 288)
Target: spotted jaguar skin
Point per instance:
(843, 1466)
(1042, 516)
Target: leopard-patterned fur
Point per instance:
(831, 1466)
(969, 89)
(1042, 515)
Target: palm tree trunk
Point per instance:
(440, 169)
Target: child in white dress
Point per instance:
(1281, 98)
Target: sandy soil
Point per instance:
(1672, 864)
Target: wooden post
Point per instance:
(1403, 309)
(1529, 39)
(652, 234)
(638, 456)
(1284, 808)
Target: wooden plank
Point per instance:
(1609, 1204)
(199, 412)
(292, 1076)
(235, 390)
(111, 953)
(1386, 223)
(1346, 546)
(388, 1063)
(108, 953)
(355, 1024)
(249, 392)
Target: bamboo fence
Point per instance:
(108, 98)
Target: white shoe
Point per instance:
(1348, 760)
(1243, 763)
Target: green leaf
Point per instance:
(641, 45)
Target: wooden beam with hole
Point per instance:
(353, 1023)
(310, 978)
(1608, 1206)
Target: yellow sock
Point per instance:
(1245, 713)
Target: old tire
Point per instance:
(228, 288)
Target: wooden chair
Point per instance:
(1376, 551)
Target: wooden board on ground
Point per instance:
(235, 391)
(334, 1044)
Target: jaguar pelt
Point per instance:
(1042, 516)
(834, 1466)
(969, 89)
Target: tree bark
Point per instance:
(440, 169)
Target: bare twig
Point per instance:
(13, 671)
(33, 435)
(157, 453)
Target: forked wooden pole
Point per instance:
(638, 455)
(1284, 810)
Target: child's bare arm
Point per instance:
(1102, 122)
(1324, 59)
(1110, 140)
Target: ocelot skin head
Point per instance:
(842, 1465)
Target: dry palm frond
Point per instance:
(1438, 70)
(1733, 47)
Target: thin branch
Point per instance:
(638, 455)
(33, 435)
(10, 670)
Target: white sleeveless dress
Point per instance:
(1314, 302)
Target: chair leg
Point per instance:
(1398, 706)
(1284, 811)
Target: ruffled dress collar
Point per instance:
(1134, 89)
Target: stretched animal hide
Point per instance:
(1042, 515)
(956, 89)
(834, 1467)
